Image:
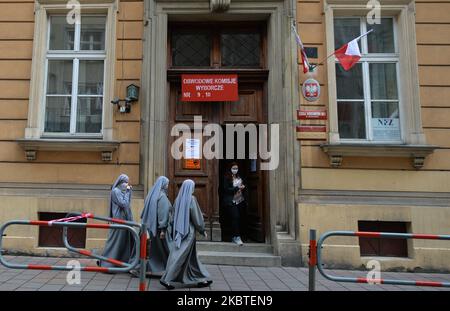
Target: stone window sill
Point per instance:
(31, 146)
(417, 153)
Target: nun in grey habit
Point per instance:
(183, 266)
(156, 217)
(120, 243)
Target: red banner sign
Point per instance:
(209, 88)
(311, 115)
(311, 128)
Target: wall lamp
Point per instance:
(124, 105)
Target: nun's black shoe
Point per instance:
(134, 273)
(204, 284)
(166, 285)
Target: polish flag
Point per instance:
(349, 54)
(305, 62)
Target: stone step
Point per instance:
(239, 259)
(231, 247)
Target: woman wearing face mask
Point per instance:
(156, 217)
(120, 243)
(234, 200)
(183, 266)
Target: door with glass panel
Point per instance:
(219, 48)
(75, 76)
(368, 102)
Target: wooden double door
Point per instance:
(208, 177)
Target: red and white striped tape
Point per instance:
(69, 219)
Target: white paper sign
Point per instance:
(386, 128)
(192, 149)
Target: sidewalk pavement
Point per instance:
(226, 278)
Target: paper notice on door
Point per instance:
(192, 164)
(192, 149)
(386, 128)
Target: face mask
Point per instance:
(165, 188)
(123, 186)
(234, 171)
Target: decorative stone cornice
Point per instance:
(364, 2)
(31, 146)
(417, 153)
(219, 5)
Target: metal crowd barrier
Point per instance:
(315, 257)
(140, 242)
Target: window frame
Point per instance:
(177, 29)
(36, 108)
(365, 61)
(408, 86)
(236, 31)
(77, 234)
(402, 248)
(75, 56)
(215, 31)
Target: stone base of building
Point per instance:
(26, 202)
(345, 252)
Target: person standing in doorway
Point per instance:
(234, 201)
(156, 217)
(183, 266)
(120, 243)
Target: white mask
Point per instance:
(234, 171)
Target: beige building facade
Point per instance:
(62, 142)
(385, 185)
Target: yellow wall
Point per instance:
(344, 251)
(16, 35)
(356, 173)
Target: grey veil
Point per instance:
(149, 214)
(120, 180)
(181, 206)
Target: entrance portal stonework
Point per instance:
(282, 102)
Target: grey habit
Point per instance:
(183, 265)
(120, 243)
(156, 217)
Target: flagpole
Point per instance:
(300, 43)
(323, 60)
(365, 34)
